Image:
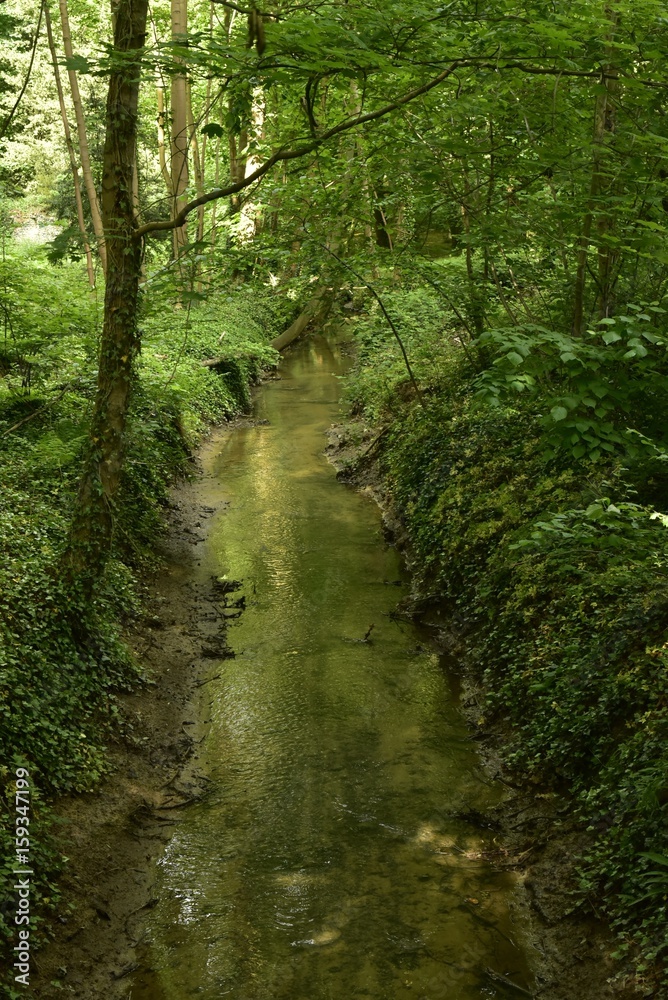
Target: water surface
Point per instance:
(332, 858)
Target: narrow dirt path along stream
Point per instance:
(330, 859)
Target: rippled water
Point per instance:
(331, 859)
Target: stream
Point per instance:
(334, 855)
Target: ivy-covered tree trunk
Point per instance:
(92, 527)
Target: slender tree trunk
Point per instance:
(604, 124)
(605, 222)
(585, 236)
(202, 165)
(162, 138)
(198, 169)
(84, 154)
(70, 148)
(201, 159)
(383, 236)
(92, 527)
(198, 158)
(216, 183)
(161, 120)
(179, 108)
(250, 221)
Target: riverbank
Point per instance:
(337, 821)
(550, 565)
(124, 828)
(114, 835)
(66, 670)
(535, 831)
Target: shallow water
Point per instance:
(330, 859)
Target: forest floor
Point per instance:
(114, 836)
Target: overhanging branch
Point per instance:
(293, 154)
(308, 147)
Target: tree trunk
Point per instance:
(84, 154)
(70, 148)
(162, 148)
(216, 184)
(198, 169)
(198, 159)
(92, 527)
(179, 108)
(249, 222)
(585, 237)
(201, 159)
(605, 222)
(604, 124)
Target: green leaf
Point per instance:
(660, 859)
(559, 413)
(213, 130)
(78, 63)
(611, 337)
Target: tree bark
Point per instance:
(92, 527)
(605, 222)
(162, 146)
(84, 153)
(604, 124)
(70, 147)
(249, 221)
(179, 108)
(198, 159)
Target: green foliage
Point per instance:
(605, 393)
(46, 859)
(553, 570)
(62, 660)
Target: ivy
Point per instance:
(555, 569)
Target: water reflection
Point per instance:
(331, 859)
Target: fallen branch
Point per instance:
(498, 978)
(36, 413)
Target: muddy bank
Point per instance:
(534, 830)
(113, 836)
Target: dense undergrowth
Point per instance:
(550, 546)
(62, 662)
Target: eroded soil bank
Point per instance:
(114, 836)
